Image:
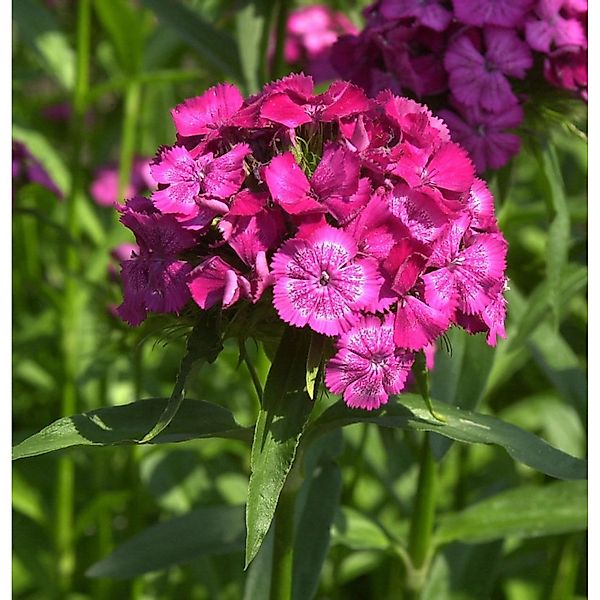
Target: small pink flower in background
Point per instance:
(105, 187)
(568, 69)
(547, 29)
(311, 31)
(368, 366)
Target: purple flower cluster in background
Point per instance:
(358, 218)
(465, 57)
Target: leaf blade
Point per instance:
(281, 421)
(209, 530)
(124, 424)
(463, 426)
(528, 511)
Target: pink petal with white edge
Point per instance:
(173, 165)
(417, 324)
(441, 291)
(480, 203)
(206, 113)
(225, 174)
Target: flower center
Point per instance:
(324, 279)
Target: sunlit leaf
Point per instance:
(528, 511)
(126, 424)
(461, 425)
(285, 410)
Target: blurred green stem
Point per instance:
(279, 65)
(421, 526)
(130, 119)
(64, 539)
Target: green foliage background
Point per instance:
(166, 521)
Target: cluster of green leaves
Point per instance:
(181, 515)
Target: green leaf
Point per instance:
(285, 410)
(252, 25)
(557, 250)
(203, 345)
(125, 27)
(462, 426)
(313, 363)
(356, 531)
(313, 530)
(45, 153)
(460, 376)
(39, 29)
(209, 530)
(126, 424)
(216, 47)
(528, 511)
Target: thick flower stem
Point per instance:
(283, 547)
(421, 526)
(65, 485)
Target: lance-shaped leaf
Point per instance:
(461, 425)
(285, 410)
(209, 530)
(127, 423)
(528, 511)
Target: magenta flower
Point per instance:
(207, 114)
(464, 278)
(335, 178)
(155, 279)
(486, 134)
(292, 109)
(319, 282)
(214, 281)
(479, 79)
(568, 70)
(504, 13)
(192, 183)
(548, 28)
(105, 187)
(28, 169)
(368, 366)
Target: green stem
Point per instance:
(130, 117)
(283, 547)
(421, 526)
(279, 64)
(253, 376)
(64, 539)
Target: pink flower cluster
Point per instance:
(466, 57)
(357, 218)
(310, 33)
